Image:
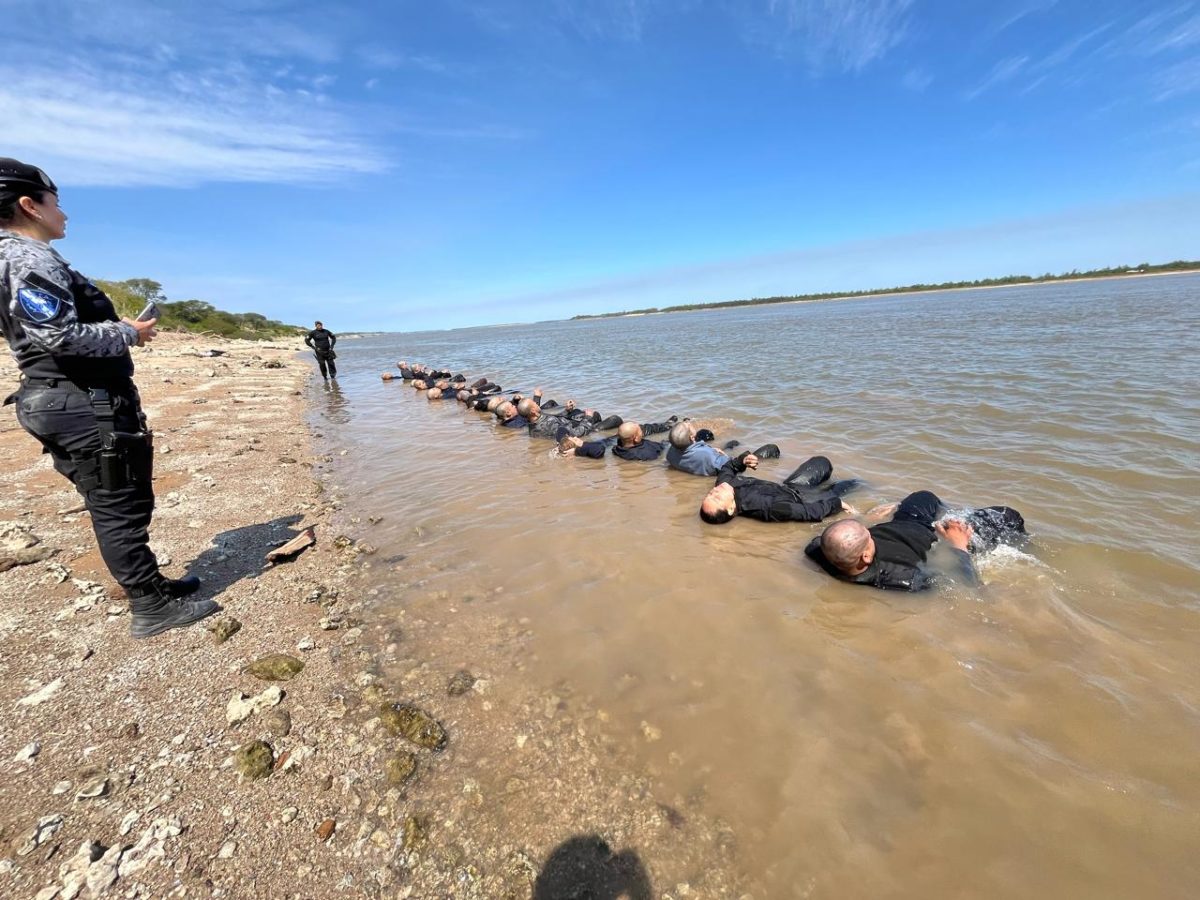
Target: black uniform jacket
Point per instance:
(771, 502)
(321, 339)
(901, 548)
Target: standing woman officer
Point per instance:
(77, 395)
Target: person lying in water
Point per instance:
(807, 495)
(691, 452)
(894, 555)
(507, 413)
(630, 443)
(571, 421)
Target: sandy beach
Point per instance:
(174, 767)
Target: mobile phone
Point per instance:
(149, 312)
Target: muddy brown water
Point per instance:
(1037, 737)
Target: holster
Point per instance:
(124, 457)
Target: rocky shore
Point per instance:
(270, 754)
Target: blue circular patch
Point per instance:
(39, 306)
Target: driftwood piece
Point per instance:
(304, 539)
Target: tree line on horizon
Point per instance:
(196, 316)
(1178, 265)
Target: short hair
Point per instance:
(502, 410)
(318, 322)
(527, 405)
(681, 435)
(716, 517)
(463, 396)
(434, 394)
(419, 384)
(844, 543)
(495, 402)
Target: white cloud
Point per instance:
(841, 34)
(1181, 78)
(1003, 71)
(139, 128)
(1021, 11)
(168, 92)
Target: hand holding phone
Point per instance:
(150, 311)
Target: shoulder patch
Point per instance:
(39, 306)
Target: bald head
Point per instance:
(629, 434)
(387, 376)
(495, 402)
(682, 436)
(419, 384)
(434, 394)
(848, 546)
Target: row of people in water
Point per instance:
(892, 553)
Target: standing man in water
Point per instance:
(321, 341)
(77, 395)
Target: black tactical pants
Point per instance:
(325, 359)
(63, 421)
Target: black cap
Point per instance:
(18, 179)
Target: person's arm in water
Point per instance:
(958, 535)
(736, 466)
(589, 450)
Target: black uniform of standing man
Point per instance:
(322, 341)
(77, 395)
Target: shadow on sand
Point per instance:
(241, 553)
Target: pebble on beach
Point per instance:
(415, 724)
(400, 768)
(460, 682)
(225, 628)
(254, 760)
(275, 667)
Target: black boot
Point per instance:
(155, 609)
(181, 587)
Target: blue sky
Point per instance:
(401, 166)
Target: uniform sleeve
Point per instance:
(782, 510)
(332, 340)
(592, 449)
(42, 302)
(308, 339)
(730, 471)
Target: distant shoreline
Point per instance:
(891, 292)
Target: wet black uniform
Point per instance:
(804, 497)
(643, 452)
(903, 544)
(322, 340)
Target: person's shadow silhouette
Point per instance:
(241, 552)
(585, 868)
